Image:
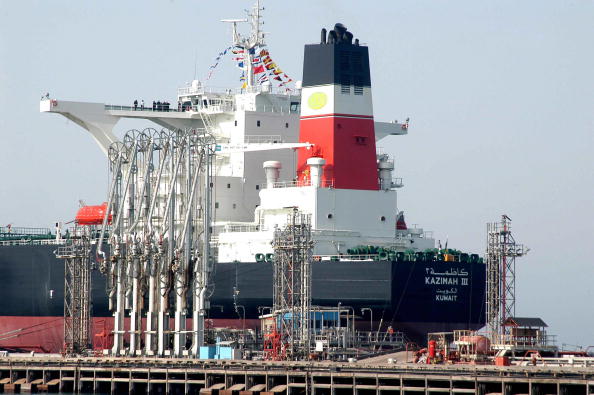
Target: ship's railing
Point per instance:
(215, 108)
(70, 250)
(201, 90)
(268, 108)
(275, 109)
(263, 139)
(210, 109)
(23, 242)
(355, 257)
(196, 90)
(419, 232)
(299, 183)
(397, 182)
(11, 230)
(148, 108)
(242, 228)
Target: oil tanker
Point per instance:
(322, 158)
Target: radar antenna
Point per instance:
(248, 44)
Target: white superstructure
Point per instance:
(257, 129)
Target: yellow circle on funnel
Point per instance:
(317, 100)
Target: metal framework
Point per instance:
(502, 251)
(159, 239)
(293, 249)
(77, 293)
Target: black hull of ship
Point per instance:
(414, 297)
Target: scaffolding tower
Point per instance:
(77, 293)
(502, 251)
(293, 250)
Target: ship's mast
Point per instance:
(248, 44)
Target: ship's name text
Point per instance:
(445, 281)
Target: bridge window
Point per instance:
(216, 204)
(236, 122)
(258, 123)
(228, 186)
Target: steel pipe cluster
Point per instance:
(157, 226)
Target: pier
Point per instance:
(187, 376)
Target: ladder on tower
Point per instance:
(77, 294)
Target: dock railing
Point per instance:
(540, 341)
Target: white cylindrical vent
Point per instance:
(316, 170)
(385, 168)
(272, 171)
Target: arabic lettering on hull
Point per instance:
(453, 278)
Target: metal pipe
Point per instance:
(162, 160)
(118, 325)
(170, 205)
(112, 191)
(116, 223)
(146, 178)
(150, 315)
(201, 272)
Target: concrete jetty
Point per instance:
(212, 377)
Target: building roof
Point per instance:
(525, 322)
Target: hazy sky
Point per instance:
(500, 96)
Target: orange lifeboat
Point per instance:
(92, 215)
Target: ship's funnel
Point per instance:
(272, 171)
(316, 169)
(337, 112)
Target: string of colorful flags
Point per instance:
(216, 63)
(264, 68)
